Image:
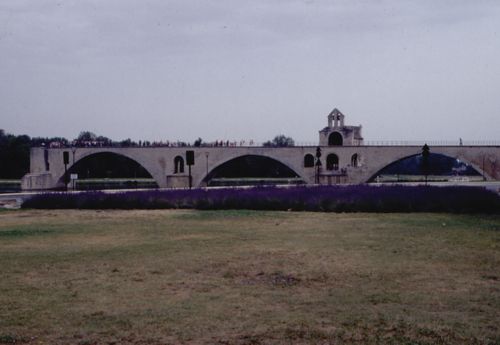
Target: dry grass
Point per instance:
(244, 277)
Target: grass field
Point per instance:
(248, 277)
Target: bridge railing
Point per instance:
(417, 143)
(305, 144)
(413, 143)
(432, 142)
(410, 143)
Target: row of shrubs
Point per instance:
(359, 198)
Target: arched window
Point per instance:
(308, 161)
(354, 160)
(335, 139)
(332, 162)
(178, 165)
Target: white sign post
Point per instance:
(73, 178)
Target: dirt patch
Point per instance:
(10, 204)
(274, 279)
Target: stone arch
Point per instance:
(212, 173)
(308, 161)
(335, 139)
(94, 154)
(355, 160)
(376, 171)
(332, 162)
(178, 165)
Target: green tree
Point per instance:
(280, 141)
(86, 136)
(198, 142)
(14, 155)
(105, 140)
(127, 143)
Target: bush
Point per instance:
(359, 198)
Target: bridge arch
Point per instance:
(133, 167)
(252, 166)
(397, 160)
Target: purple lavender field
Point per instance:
(359, 198)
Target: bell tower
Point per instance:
(336, 119)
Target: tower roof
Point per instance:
(335, 112)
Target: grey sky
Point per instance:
(229, 69)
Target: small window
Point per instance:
(354, 160)
(332, 162)
(308, 161)
(46, 159)
(178, 165)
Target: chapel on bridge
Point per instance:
(338, 134)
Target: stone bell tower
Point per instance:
(338, 134)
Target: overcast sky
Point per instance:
(231, 69)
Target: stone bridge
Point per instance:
(354, 164)
(345, 159)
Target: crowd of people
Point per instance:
(140, 143)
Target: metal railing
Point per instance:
(432, 142)
(408, 143)
(250, 143)
(416, 143)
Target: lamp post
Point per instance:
(206, 176)
(73, 182)
(482, 172)
(189, 162)
(318, 163)
(66, 162)
(425, 161)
